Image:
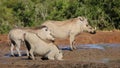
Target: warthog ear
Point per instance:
(81, 18)
(95, 28)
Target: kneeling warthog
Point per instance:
(36, 45)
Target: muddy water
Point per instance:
(91, 46)
(8, 55)
(104, 53)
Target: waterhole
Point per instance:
(110, 52)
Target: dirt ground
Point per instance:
(109, 57)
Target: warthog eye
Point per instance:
(46, 29)
(87, 25)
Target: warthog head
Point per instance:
(84, 26)
(45, 34)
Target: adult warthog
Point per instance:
(36, 45)
(69, 28)
(16, 36)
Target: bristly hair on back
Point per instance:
(40, 27)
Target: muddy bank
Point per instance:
(101, 50)
(80, 58)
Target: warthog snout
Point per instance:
(53, 41)
(93, 32)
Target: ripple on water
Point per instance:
(86, 46)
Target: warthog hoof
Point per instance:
(30, 58)
(12, 55)
(44, 58)
(74, 48)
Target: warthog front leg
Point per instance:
(27, 52)
(72, 41)
(18, 43)
(11, 48)
(31, 56)
(50, 55)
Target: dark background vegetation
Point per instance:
(103, 14)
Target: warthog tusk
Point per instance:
(95, 28)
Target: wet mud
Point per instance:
(101, 50)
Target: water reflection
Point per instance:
(97, 46)
(86, 46)
(23, 53)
